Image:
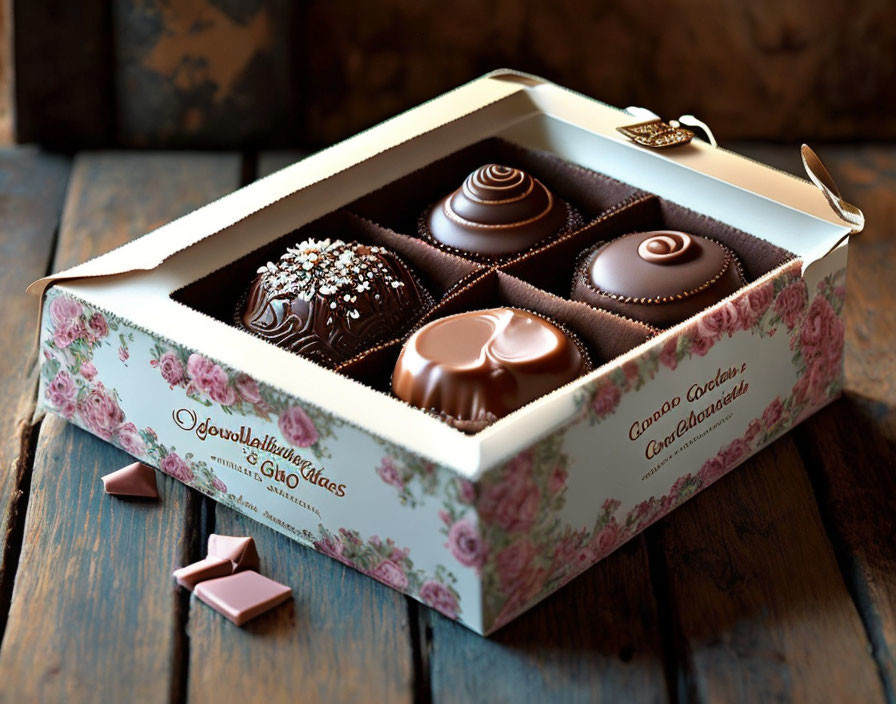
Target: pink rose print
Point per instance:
(466, 493)
(100, 412)
(334, 549)
(97, 327)
(62, 393)
(753, 430)
(67, 332)
(606, 398)
(735, 452)
(513, 502)
(821, 329)
(208, 378)
(390, 573)
(557, 480)
(218, 485)
(130, 440)
(439, 597)
(514, 562)
(773, 414)
(297, 427)
(247, 388)
(791, 302)
(753, 305)
(389, 473)
(172, 368)
(710, 328)
(669, 354)
(64, 310)
(607, 540)
(712, 469)
(88, 371)
(123, 353)
(465, 543)
(812, 385)
(175, 466)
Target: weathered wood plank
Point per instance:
(596, 640)
(32, 188)
(94, 608)
(344, 637)
(761, 610)
(850, 447)
(205, 73)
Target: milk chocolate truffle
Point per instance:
(329, 300)
(659, 277)
(498, 211)
(476, 367)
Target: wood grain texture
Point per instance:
(32, 188)
(793, 70)
(343, 637)
(596, 640)
(850, 447)
(204, 72)
(761, 610)
(94, 608)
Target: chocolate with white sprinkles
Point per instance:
(329, 300)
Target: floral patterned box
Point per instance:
(479, 527)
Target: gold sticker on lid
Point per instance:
(657, 134)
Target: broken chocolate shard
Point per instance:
(134, 480)
(205, 569)
(241, 551)
(242, 596)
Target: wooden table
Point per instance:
(778, 583)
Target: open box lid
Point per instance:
(135, 281)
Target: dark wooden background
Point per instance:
(305, 73)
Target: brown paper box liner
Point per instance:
(403, 204)
(538, 280)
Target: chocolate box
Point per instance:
(138, 347)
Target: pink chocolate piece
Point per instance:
(208, 568)
(240, 551)
(134, 480)
(242, 596)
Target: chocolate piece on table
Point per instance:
(242, 596)
(498, 210)
(485, 364)
(134, 480)
(328, 300)
(208, 568)
(660, 277)
(240, 551)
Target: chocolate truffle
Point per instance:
(328, 300)
(659, 277)
(476, 367)
(498, 211)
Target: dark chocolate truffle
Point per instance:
(498, 211)
(482, 365)
(659, 277)
(329, 300)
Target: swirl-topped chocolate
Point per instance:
(659, 277)
(328, 300)
(498, 210)
(475, 367)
